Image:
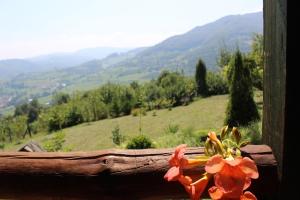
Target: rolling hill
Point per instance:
(11, 68)
(183, 51)
(180, 52)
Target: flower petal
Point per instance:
(248, 196)
(247, 183)
(173, 160)
(249, 168)
(185, 180)
(180, 150)
(215, 193)
(231, 180)
(172, 174)
(195, 189)
(236, 161)
(214, 164)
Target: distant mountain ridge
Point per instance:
(180, 52)
(183, 51)
(13, 67)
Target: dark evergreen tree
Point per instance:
(200, 77)
(241, 108)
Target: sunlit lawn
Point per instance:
(203, 114)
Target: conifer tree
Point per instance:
(241, 108)
(200, 77)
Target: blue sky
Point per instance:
(34, 27)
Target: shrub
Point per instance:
(163, 103)
(60, 98)
(55, 118)
(117, 137)
(177, 89)
(190, 137)
(140, 142)
(172, 128)
(216, 84)
(73, 115)
(252, 132)
(154, 114)
(136, 112)
(55, 143)
(186, 136)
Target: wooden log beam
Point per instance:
(111, 174)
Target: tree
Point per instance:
(31, 111)
(241, 108)
(223, 57)
(257, 49)
(60, 98)
(257, 57)
(200, 77)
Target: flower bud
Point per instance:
(236, 135)
(244, 143)
(224, 132)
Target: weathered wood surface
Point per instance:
(275, 73)
(110, 174)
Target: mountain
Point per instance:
(180, 52)
(65, 60)
(183, 51)
(12, 67)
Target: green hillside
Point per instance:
(201, 116)
(180, 52)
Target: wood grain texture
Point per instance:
(275, 73)
(110, 174)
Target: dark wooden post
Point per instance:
(275, 80)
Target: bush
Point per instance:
(60, 98)
(154, 114)
(216, 84)
(140, 142)
(55, 143)
(136, 112)
(172, 128)
(177, 89)
(56, 118)
(252, 132)
(186, 136)
(117, 137)
(73, 115)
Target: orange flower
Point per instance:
(195, 189)
(177, 161)
(217, 194)
(232, 176)
(248, 196)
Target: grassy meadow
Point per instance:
(199, 117)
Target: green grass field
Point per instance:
(203, 114)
